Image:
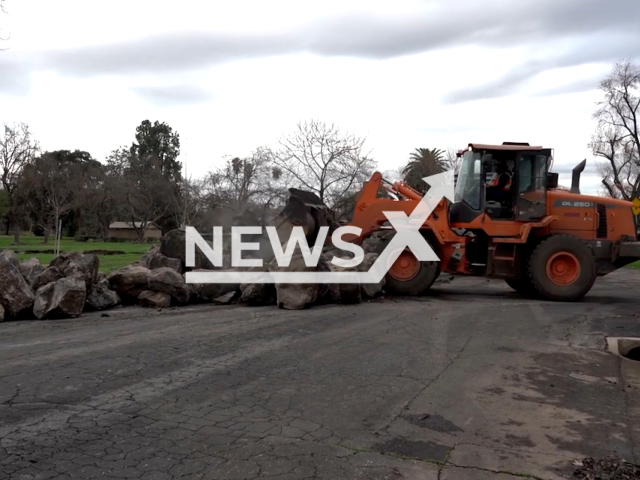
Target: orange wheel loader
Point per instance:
(510, 220)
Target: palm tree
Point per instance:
(423, 162)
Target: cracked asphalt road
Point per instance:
(470, 382)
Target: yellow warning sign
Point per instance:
(636, 206)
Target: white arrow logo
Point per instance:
(407, 236)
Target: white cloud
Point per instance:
(232, 76)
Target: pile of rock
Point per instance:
(70, 285)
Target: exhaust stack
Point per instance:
(575, 180)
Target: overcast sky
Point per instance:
(232, 76)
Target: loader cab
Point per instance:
(505, 182)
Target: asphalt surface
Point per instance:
(470, 382)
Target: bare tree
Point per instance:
(145, 199)
(3, 11)
(320, 158)
(617, 138)
(452, 160)
(243, 181)
(186, 203)
(17, 149)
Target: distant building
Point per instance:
(126, 231)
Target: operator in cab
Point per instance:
(499, 183)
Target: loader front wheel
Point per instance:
(562, 268)
(410, 276)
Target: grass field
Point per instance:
(32, 246)
(108, 262)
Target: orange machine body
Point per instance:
(497, 247)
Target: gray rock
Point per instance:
(154, 299)
(101, 297)
(295, 296)
(154, 259)
(173, 245)
(207, 292)
(62, 298)
(15, 294)
(11, 256)
(226, 298)
(49, 275)
(258, 294)
(167, 280)
(370, 290)
(347, 293)
(78, 265)
(30, 269)
(129, 281)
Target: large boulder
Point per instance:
(295, 296)
(49, 275)
(173, 245)
(149, 298)
(78, 265)
(207, 292)
(370, 290)
(342, 292)
(167, 280)
(30, 269)
(101, 297)
(129, 281)
(154, 259)
(62, 298)
(258, 294)
(11, 256)
(15, 294)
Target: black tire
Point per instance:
(575, 286)
(522, 286)
(421, 282)
(424, 279)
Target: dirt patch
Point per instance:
(608, 468)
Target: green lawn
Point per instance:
(635, 264)
(32, 246)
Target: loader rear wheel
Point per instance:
(410, 276)
(562, 268)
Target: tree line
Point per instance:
(144, 183)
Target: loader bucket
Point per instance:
(304, 209)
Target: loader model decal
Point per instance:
(573, 204)
(407, 236)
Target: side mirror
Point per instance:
(551, 180)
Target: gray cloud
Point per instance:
(492, 24)
(566, 167)
(168, 95)
(169, 53)
(595, 49)
(602, 31)
(582, 85)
